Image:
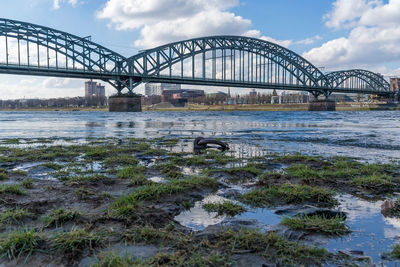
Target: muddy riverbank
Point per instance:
(129, 201)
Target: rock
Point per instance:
(311, 211)
(387, 206)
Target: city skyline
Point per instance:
(321, 32)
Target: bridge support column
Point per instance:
(125, 103)
(322, 105)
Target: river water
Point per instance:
(372, 136)
(369, 136)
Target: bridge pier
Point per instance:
(125, 103)
(322, 105)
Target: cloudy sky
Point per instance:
(332, 34)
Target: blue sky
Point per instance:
(334, 34)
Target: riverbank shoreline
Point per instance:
(232, 108)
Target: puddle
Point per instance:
(36, 171)
(197, 218)
(157, 179)
(372, 232)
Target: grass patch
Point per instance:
(74, 242)
(127, 205)
(226, 208)
(19, 242)
(27, 183)
(297, 157)
(16, 215)
(156, 191)
(111, 260)
(395, 253)
(303, 172)
(124, 206)
(271, 246)
(380, 182)
(124, 160)
(58, 217)
(3, 176)
(130, 172)
(11, 141)
(170, 170)
(19, 173)
(11, 189)
(139, 180)
(53, 166)
(86, 179)
(96, 153)
(318, 224)
(289, 194)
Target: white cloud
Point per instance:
(372, 40)
(57, 3)
(164, 21)
(345, 13)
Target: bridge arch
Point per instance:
(358, 79)
(232, 51)
(55, 49)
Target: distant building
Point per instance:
(94, 90)
(395, 87)
(253, 93)
(168, 95)
(152, 89)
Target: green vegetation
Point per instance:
(96, 153)
(27, 183)
(290, 194)
(121, 160)
(11, 141)
(318, 224)
(16, 215)
(83, 193)
(80, 180)
(271, 246)
(20, 173)
(297, 157)
(395, 253)
(111, 260)
(131, 172)
(11, 189)
(75, 241)
(380, 182)
(124, 206)
(52, 165)
(269, 177)
(139, 180)
(19, 242)
(127, 205)
(3, 174)
(179, 259)
(170, 170)
(58, 217)
(150, 235)
(304, 173)
(226, 208)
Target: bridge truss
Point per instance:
(232, 61)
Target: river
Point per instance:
(371, 136)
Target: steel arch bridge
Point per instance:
(231, 61)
